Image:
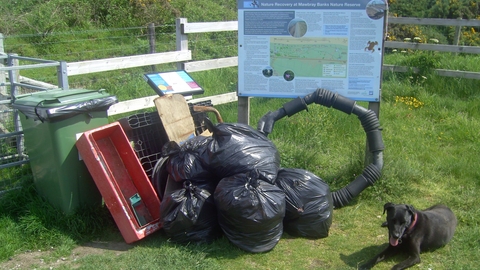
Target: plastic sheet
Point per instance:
(189, 215)
(61, 112)
(250, 211)
(239, 148)
(309, 206)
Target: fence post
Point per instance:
(62, 75)
(151, 39)
(14, 75)
(181, 39)
(244, 110)
(3, 89)
(458, 33)
(3, 80)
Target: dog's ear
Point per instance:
(411, 209)
(386, 206)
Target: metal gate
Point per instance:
(13, 157)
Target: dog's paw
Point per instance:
(384, 224)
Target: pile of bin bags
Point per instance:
(233, 185)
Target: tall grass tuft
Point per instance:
(31, 223)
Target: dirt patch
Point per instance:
(45, 258)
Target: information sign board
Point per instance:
(173, 82)
(289, 48)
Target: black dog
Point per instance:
(411, 231)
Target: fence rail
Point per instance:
(433, 21)
(86, 67)
(183, 57)
(432, 47)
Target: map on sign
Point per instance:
(290, 48)
(312, 57)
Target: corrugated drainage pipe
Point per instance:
(370, 124)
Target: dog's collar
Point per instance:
(414, 221)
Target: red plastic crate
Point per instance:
(119, 176)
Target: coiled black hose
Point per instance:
(370, 124)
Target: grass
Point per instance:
(431, 156)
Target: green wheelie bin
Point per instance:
(52, 121)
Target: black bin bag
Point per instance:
(189, 215)
(239, 148)
(250, 211)
(189, 160)
(309, 206)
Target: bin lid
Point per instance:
(58, 97)
(47, 105)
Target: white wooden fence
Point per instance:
(458, 24)
(183, 57)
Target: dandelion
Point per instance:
(411, 102)
(407, 39)
(417, 39)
